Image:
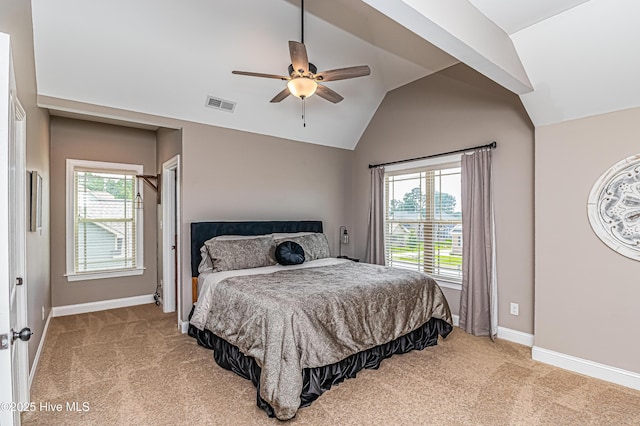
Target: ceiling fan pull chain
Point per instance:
(304, 120)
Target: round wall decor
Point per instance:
(614, 207)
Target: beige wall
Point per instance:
(83, 140)
(233, 175)
(453, 109)
(169, 144)
(15, 20)
(587, 295)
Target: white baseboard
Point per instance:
(83, 308)
(586, 367)
(184, 326)
(36, 359)
(516, 336)
(506, 333)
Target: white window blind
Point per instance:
(423, 226)
(104, 226)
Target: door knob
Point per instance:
(24, 334)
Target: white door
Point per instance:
(170, 235)
(14, 359)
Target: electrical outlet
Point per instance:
(43, 313)
(515, 308)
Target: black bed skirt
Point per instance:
(318, 380)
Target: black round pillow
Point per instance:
(289, 253)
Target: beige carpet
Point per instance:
(132, 367)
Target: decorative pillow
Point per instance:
(315, 245)
(229, 255)
(289, 253)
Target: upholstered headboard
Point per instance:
(202, 231)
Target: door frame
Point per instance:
(171, 222)
(19, 233)
(12, 160)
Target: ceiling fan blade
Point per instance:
(299, 58)
(328, 94)
(343, 73)
(280, 96)
(257, 74)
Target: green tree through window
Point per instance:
(121, 189)
(424, 221)
(415, 202)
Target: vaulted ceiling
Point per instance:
(565, 58)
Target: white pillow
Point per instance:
(205, 264)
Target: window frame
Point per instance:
(100, 167)
(408, 167)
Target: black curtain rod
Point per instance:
(459, 151)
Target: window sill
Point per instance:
(101, 275)
(449, 284)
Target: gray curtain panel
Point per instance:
(478, 299)
(375, 238)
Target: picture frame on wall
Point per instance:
(35, 212)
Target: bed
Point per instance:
(296, 330)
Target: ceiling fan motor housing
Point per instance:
(312, 69)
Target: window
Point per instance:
(104, 231)
(423, 224)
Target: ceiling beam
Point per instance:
(462, 31)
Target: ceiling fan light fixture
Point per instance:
(302, 87)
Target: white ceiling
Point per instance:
(164, 57)
(579, 57)
(565, 58)
(582, 62)
(514, 15)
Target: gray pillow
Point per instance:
(229, 255)
(315, 245)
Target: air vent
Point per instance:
(221, 104)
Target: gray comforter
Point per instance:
(306, 318)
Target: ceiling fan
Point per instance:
(304, 79)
